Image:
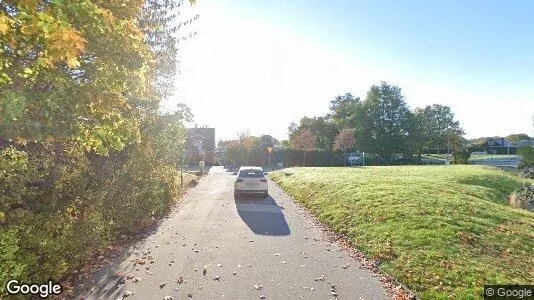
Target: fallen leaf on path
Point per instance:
(127, 293)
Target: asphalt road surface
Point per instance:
(213, 247)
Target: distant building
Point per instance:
(499, 146)
(200, 146)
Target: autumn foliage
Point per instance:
(84, 153)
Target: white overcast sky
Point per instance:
(258, 70)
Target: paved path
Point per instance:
(249, 248)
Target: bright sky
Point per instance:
(259, 65)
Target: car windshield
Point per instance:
(251, 173)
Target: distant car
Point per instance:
(479, 153)
(250, 180)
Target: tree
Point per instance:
(438, 127)
(267, 141)
(84, 71)
(304, 141)
(71, 70)
(344, 109)
(344, 140)
(513, 138)
(322, 128)
(292, 129)
(383, 123)
(234, 152)
(285, 143)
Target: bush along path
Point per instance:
(107, 258)
(86, 156)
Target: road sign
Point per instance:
(270, 149)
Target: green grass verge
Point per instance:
(444, 231)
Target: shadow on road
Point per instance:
(262, 215)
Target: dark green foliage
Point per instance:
(461, 156)
(60, 204)
(527, 157)
(383, 123)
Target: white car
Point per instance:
(250, 180)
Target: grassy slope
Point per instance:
(441, 230)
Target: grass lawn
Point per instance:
(441, 230)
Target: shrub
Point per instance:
(461, 156)
(527, 157)
(68, 203)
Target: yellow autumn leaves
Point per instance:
(4, 24)
(56, 40)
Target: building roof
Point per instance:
(207, 135)
(499, 143)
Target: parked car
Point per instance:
(250, 180)
(479, 153)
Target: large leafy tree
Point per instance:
(80, 69)
(267, 141)
(70, 71)
(343, 110)
(438, 128)
(383, 123)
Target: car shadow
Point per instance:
(262, 215)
